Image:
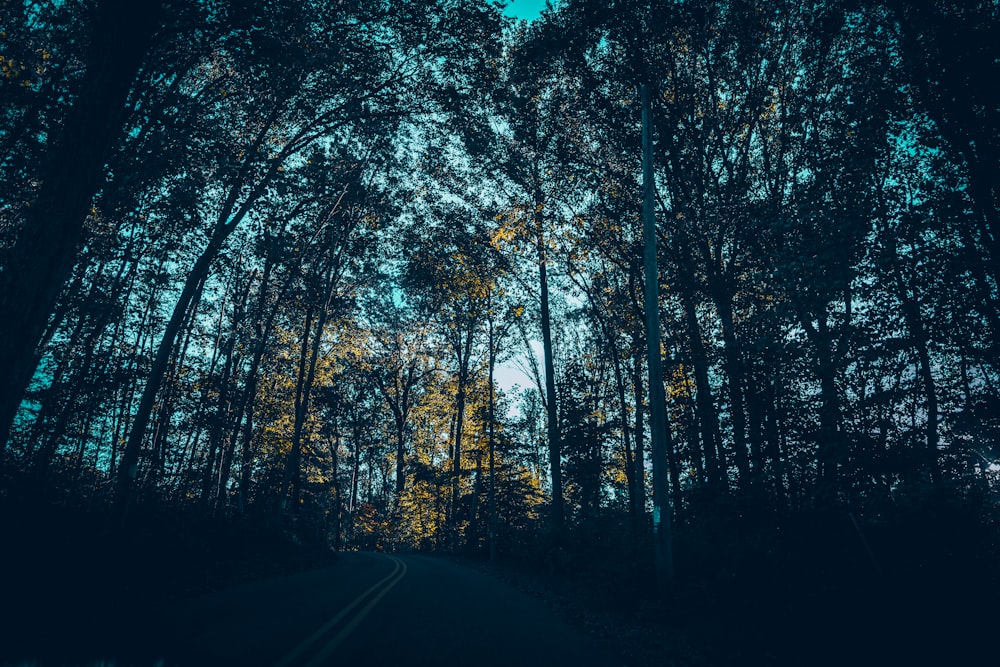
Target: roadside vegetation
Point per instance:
(280, 279)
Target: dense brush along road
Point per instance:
(373, 609)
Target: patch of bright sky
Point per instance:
(529, 10)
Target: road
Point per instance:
(375, 609)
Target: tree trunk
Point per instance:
(44, 251)
(217, 438)
(355, 470)
(52, 401)
(472, 538)
(193, 286)
(262, 330)
(400, 453)
(638, 398)
(919, 339)
(770, 408)
(293, 471)
(335, 486)
(492, 445)
(558, 512)
(635, 509)
(829, 445)
(716, 472)
(658, 426)
(231, 409)
(734, 370)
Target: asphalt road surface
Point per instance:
(375, 609)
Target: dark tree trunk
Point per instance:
(829, 447)
(293, 472)
(635, 509)
(734, 370)
(128, 467)
(230, 216)
(338, 504)
(218, 436)
(44, 251)
(716, 472)
(262, 331)
(770, 409)
(355, 470)
(638, 398)
(919, 340)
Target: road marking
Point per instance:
(308, 642)
(321, 657)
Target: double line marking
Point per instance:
(375, 593)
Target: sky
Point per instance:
(510, 373)
(524, 9)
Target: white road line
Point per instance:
(329, 625)
(321, 657)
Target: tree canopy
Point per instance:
(273, 261)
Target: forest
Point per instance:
(373, 275)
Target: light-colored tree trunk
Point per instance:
(558, 512)
(657, 400)
(463, 351)
(491, 435)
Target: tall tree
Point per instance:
(42, 256)
(659, 433)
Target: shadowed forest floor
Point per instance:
(82, 591)
(806, 591)
(803, 592)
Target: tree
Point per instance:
(399, 364)
(659, 433)
(42, 255)
(447, 274)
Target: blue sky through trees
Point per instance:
(524, 9)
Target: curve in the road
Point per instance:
(373, 595)
(375, 609)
